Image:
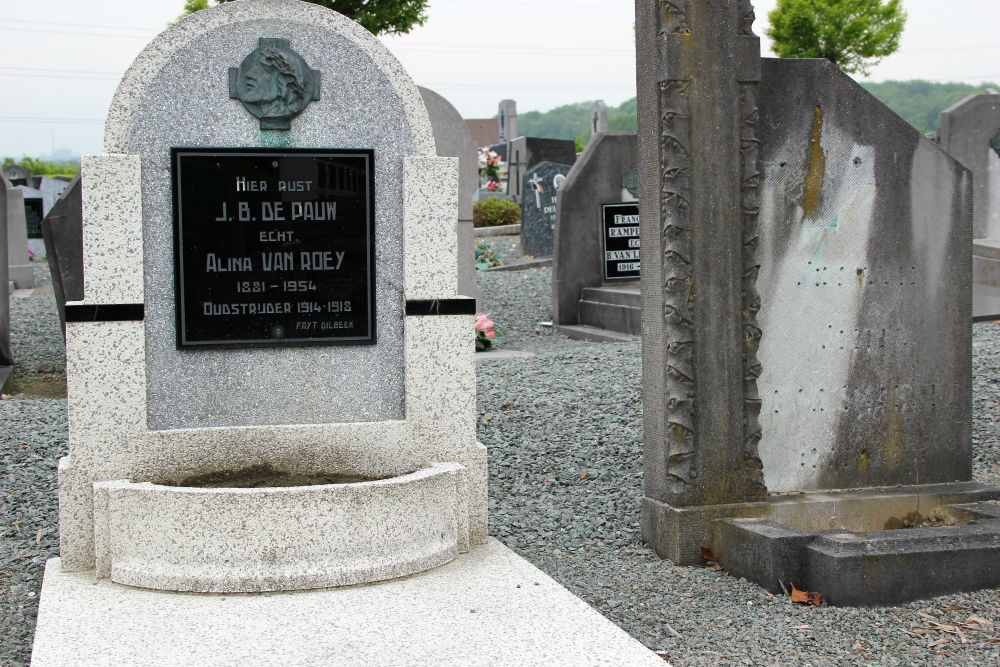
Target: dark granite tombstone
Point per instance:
(33, 216)
(62, 230)
(526, 152)
(538, 208)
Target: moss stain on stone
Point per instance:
(812, 191)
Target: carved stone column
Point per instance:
(698, 71)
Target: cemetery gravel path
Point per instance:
(564, 435)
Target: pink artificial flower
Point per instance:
(489, 324)
(490, 334)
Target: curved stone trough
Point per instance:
(225, 540)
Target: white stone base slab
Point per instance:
(487, 607)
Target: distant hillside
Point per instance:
(573, 120)
(920, 103)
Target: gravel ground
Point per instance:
(564, 435)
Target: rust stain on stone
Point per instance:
(813, 186)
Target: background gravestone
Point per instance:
(595, 179)
(18, 267)
(599, 118)
(452, 139)
(17, 175)
(527, 152)
(968, 132)
(62, 230)
(538, 208)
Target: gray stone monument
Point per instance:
(970, 132)
(584, 304)
(507, 121)
(62, 230)
(271, 383)
(787, 217)
(18, 265)
(452, 139)
(599, 118)
(540, 186)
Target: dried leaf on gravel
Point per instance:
(805, 597)
(707, 554)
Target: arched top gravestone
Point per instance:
(256, 295)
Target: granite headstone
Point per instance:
(526, 152)
(538, 207)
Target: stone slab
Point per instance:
(490, 355)
(593, 334)
(521, 265)
(985, 303)
(538, 207)
(489, 607)
(499, 230)
(868, 567)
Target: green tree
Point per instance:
(852, 34)
(377, 16)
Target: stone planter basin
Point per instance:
(226, 540)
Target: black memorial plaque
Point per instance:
(621, 241)
(274, 247)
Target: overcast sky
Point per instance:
(62, 59)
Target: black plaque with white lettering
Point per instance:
(621, 241)
(274, 247)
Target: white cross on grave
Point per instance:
(534, 181)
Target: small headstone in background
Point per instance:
(526, 152)
(51, 189)
(17, 175)
(19, 270)
(595, 179)
(507, 121)
(599, 118)
(538, 207)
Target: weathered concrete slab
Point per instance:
(860, 214)
(869, 546)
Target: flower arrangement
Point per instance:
(31, 256)
(493, 186)
(486, 333)
(487, 255)
(489, 164)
